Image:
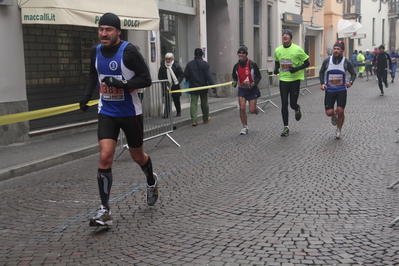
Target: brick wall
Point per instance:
(54, 54)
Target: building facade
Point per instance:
(47, 65)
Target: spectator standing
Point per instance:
(197, 73)
(171, 71)
(361, 63)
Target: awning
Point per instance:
(313, 26)
(350, 29)
(134, 14)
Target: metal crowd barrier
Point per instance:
(265, 83)
(157, 114)
(304, 84)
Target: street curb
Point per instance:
(34, 166)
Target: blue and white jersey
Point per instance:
(116, 102)
(336, 77)
(394, 57)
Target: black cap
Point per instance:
(110, 19)
(381, 47)
(243, 49)
(198, 52)
(340, 44)
(288, 31)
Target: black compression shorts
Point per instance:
(109, 128)
(335, 96)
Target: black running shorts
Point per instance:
(249, 94)
(109, 128)
(335, 96)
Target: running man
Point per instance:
(394, 58)
(290, 62)
(246, 75)
(383, 63)
(120, 70)
(333, 81)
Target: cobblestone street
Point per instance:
(226, 199)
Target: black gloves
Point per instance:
(276, 71)
(234, 83)
(83, 103)
(113, 82)
(294, 69)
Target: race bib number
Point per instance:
(111, 93)
(285, 65)
(367, 61)
(393, 59)
(335, 80)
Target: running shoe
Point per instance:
(286, 132)
(152, 192)
(244, 131)
(334, 118)
(103, 217)
(298, 113)
(382, 94)
(337, 133)
(386, 84)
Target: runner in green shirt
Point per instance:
(290, 62)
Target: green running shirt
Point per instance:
(292, 56)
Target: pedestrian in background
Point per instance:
(120, 70)
(361, 63)
(333, 81)
(290, 62)
(375, 52)
(382, 63)
(354, 59)
(171, 71)
(368, 59)
(197, 73)
(394, 58)
(246, 75)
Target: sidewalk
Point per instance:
(37, 154)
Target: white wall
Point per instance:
(12, 65)
(369, 10)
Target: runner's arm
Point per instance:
(134, 60)
(276, 67)
(323, 70)
(257, 74)
(351, 71)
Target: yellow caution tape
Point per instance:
(314, 67)
(203, 88)
(20, 117)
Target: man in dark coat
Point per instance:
(197, 73)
